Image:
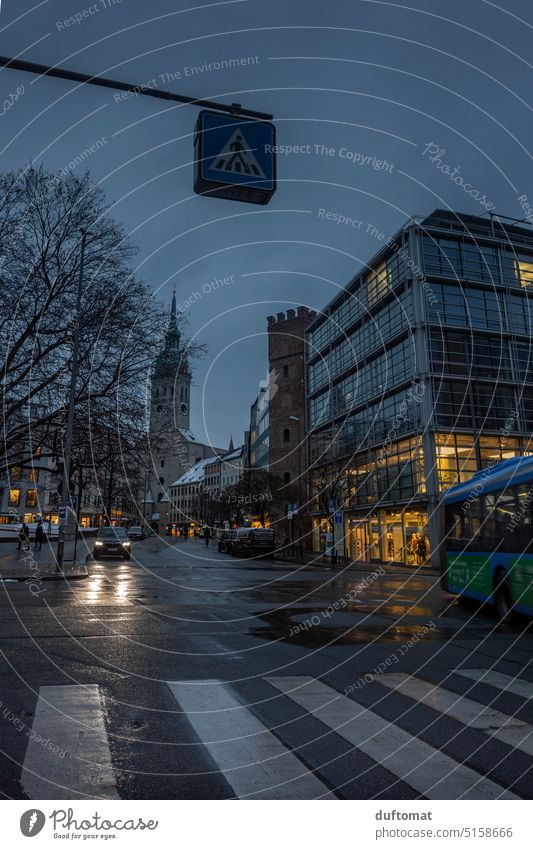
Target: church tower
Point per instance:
(169, 420)
(171, 383)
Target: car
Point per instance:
(136, 532)
(253, 542)
(112, 541)
(226, 540)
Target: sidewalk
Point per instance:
(35, 565)
(316, 559)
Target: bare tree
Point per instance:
(41, 217)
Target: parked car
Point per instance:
(253, 542)
(226, 540)
(136, 532)
(112, 541)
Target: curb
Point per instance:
(79, 573)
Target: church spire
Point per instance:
(231, 446)
(172, 338)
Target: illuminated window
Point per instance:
(33, 476)
(456, 458)
(31, 498)
(14, 497)
(16, 473)
(525, 271)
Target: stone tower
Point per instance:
(169, 418)
(171, 382)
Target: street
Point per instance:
(189, 674)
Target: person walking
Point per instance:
(39, 534)
(24, 534)
(207, 534)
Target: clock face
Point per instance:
(183, 407)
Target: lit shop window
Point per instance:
(14, 497)
(31, 498)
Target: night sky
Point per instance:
(387, 84)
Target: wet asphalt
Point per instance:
(181, 611)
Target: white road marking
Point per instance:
(255, 763)
(508, 729)
(69, 718)
(427, 770)
(498, 679)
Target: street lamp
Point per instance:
(65, 520)
(297, 421)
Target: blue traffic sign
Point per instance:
(235, 158)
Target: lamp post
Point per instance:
(65, 494)
(297, 420)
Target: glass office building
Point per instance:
(419, 374)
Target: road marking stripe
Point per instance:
(499, 680)
(254, 762)
(70, 718)
(427, 770)
(508, 729)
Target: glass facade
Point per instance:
(410, 394)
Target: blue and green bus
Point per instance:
(489, 537)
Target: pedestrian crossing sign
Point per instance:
(235, 158)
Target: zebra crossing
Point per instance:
(69, 753)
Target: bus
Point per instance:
(488, 541)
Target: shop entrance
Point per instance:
(359, 544)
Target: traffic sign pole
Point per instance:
(88, 79)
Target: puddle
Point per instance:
(294, 625)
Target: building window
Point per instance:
(456, 458)
(31, 498)
(161, 481)
(285, 371)
(16, 473)
(162, 463)
(33, 476)
(286, 477)
(14, 497)
(286, 435)
(159, 408)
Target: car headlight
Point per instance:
(98, 542)
(126, 543)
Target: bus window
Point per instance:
(507, 521)
(454, 533)
(488, 527)
(472, 525)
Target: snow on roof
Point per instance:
(195, 474)
(188, 434)
(233, 455)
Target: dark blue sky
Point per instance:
(377, 79)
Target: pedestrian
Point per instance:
(39, 534)
(185, 532)
(24, 534)
(207, 534)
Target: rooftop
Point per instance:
(193, 475)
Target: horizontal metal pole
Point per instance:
(103, 82)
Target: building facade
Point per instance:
(187, 504)
(259, 436)
(421, 374)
